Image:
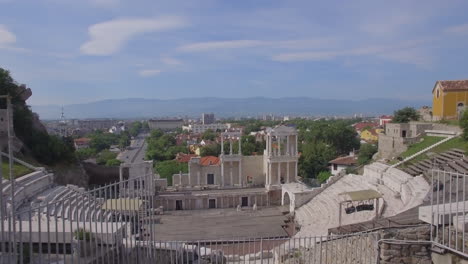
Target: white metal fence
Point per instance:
(448, 211)
(115, 224)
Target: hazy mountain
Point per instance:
(223, 107)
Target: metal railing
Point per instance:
(116, 224)
(448, 210)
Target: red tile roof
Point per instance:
(347, 160)
(82, 141)
(456, 85)
(184, 158)
(209, 160)
(362, 125)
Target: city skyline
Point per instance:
(84, 51)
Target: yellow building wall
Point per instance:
(445, 107)
(367, 136)
(451, 99)
(437, 104)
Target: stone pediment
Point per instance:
(282, 130)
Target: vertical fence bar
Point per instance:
(464, 212)
(432, 205)
(48, 228)
(443, 200)
(450, 210)
(457, 212)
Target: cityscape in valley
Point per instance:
(171, 167)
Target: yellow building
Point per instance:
(449, 99)
(370, 135)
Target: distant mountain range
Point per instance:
(224, 107)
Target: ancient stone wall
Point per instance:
(410, 253)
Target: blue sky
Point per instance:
(73, 51)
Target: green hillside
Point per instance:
(18, 170)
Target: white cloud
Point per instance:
(459, 29)
(171, 61)
(407, 53)
(149, 72)
(110, 36)
(6, 36)
(306, 56)
(216, 45)
(248, 43)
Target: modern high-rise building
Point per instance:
(208, 118)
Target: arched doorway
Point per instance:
(286, 199)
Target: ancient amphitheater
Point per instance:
(349, 219)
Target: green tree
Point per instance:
(209, 135)
(314, 159)
(211, 150)
(135, 128)
(101, 141)
(44, 148)
(405, 115)
(323, 176)
(169, 167)
(464, 125)
(85, 153)
(124, 139)
(365, 153)
(105, 156)
(113, 162)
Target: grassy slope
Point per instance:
(457, 142)
(427, 141)
(18, 170)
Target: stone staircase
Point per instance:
(453, 160)
(423, 151)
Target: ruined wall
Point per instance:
(411, 253)
(253, 166)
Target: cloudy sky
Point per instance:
(72, 51)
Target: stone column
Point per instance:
(287, 168)
(230, 146)
(189, 178)
(278, 141)
(268, 178)
(295, 170)
(279, 173)
(295, 147)
(230, 173)
(198, 178)
(222, 172)
(240, 146)
(222, 144)
(288, 147)
(240, 172)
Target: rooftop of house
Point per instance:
(82, 141)
(455, 85)
(209, 160)
(184, 158)
(346, 160)
(361, 125)
(373, 131)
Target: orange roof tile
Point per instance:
(209, 160)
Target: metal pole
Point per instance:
(10, 167)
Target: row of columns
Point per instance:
(279, 140)
(288, 172)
